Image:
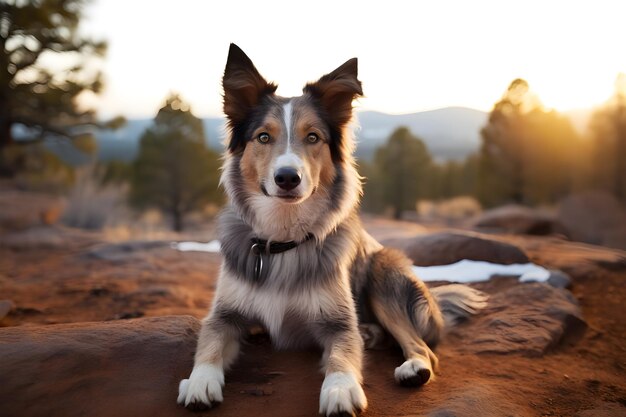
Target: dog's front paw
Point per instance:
(203, 389)
(413, 373)
(341, 395)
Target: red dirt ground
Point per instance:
(61, 284)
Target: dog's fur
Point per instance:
(330, 286)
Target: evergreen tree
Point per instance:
(175, 171)
(503, 152)
(608, 134)
(402, 167)
(36, 98)
(527, 153)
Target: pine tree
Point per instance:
(402, 166)
(608, 131)
(527, 152)
(503, 149)
(39, 100)
(175, 171)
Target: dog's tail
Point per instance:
(458, 302)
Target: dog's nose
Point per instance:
(287, 178)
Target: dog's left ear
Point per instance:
(336, 91)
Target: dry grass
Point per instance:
(93, 206)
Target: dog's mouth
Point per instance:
(286, 196)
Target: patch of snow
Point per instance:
(467, 271)
(464, 271)
(212, 246)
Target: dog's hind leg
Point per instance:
(218, 347)
(404, 307)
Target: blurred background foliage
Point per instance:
(529, 155)
(175, 171)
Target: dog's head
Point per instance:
(288, 148)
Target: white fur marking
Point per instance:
(341, 392)
(289, 159)
(287, 110)
(204, 385)
(410, 368)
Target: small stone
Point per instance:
(559, 279)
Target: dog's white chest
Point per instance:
(275, 308)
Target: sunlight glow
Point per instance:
(412, 55)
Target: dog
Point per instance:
(296, 258)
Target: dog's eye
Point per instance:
(263, 137)
(312, 138)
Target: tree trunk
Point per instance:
(6, 138)
(620, 152)
(177, 220)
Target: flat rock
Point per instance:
(527, 319)
(522, 220)
(449, 247)
(129, 368)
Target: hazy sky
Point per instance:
(413, 55)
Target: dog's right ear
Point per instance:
(243, 86)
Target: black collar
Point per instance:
(260, 246)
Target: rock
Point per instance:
(594, 217)
(559, 279)
(121, 252)
(6, 306)
(127, 368)
(520, 220)
(450, 247)
(527, 319)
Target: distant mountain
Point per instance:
(123, 144)
(449, 133)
